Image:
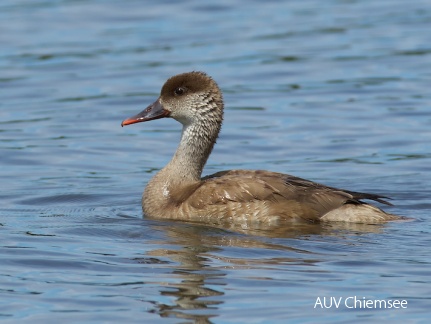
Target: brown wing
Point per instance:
(283, 194)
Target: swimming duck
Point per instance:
(178, 192)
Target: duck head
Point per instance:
(187, 97)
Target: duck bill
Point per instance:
(153, 111)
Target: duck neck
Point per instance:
(197, 141)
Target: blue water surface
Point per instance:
(334, 91)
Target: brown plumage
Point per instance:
(237, 196)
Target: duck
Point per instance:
(179, 192)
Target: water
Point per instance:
(334, 91)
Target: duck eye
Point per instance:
(179, 91)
